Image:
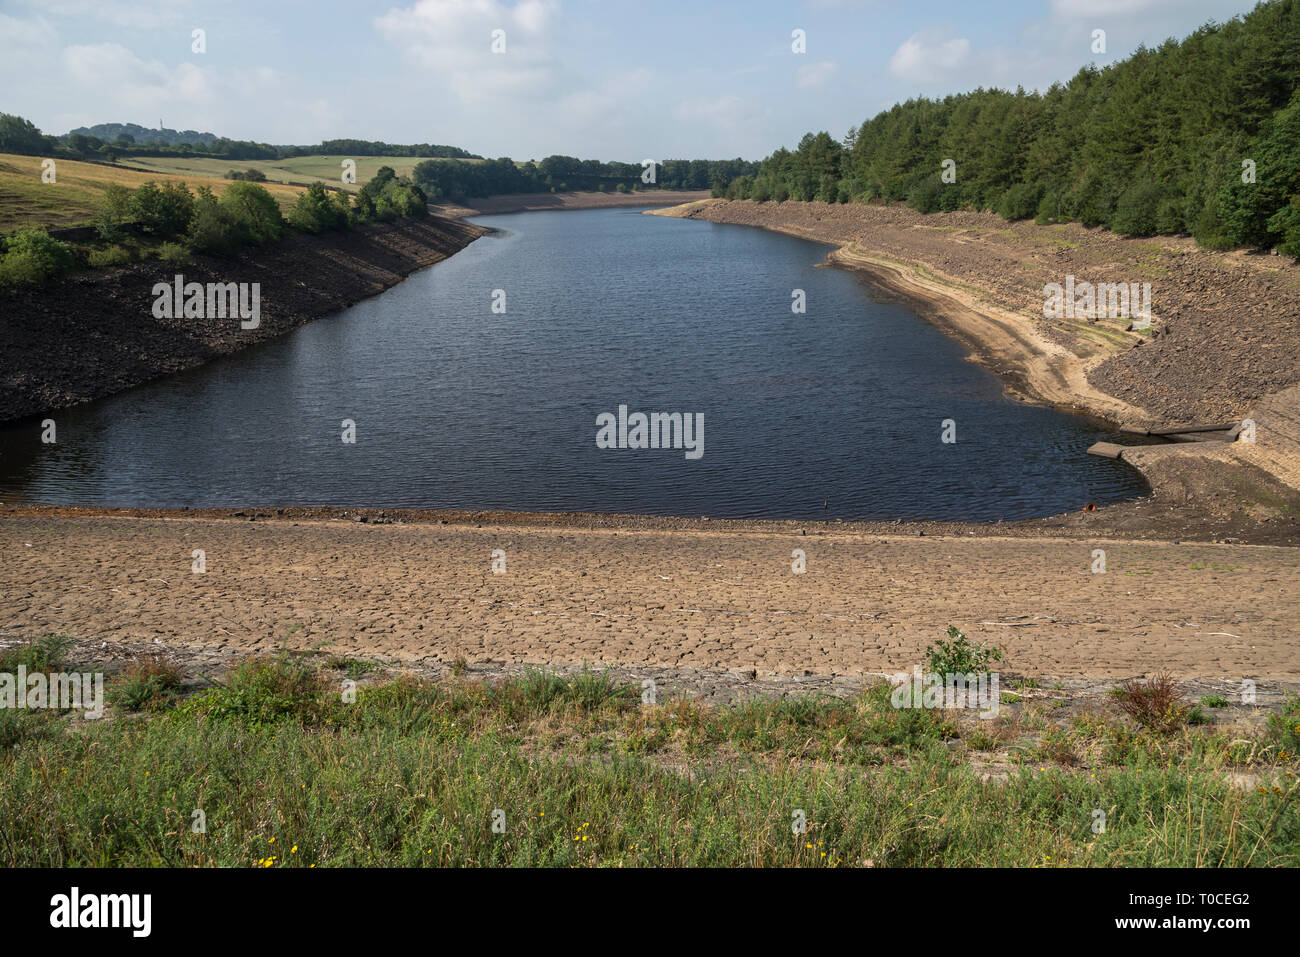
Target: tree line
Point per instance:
(449, 180)
(111, 141)
(1199, 136)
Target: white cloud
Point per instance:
(452, 39)
(814, 74)
(930, 58)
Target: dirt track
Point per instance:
(673, 597)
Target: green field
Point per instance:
(298, 169)
(75, 196)
(576, 771)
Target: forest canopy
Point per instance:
(1200, 137)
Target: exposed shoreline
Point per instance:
(542, 202)
(686, 596)
(93, 334)
(982, 300)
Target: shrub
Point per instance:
(32, 256)
(957, 656)
(174, 254)
(1284, 728)
(402, 199)
(314, 212)
(151, 684)
(1156, 704)
(213, 229)
(264, 691)
(253, 211)
(114, 212)
(162, 210)
(109, 256)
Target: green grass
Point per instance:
(288, 774)
(77, 193)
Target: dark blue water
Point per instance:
(460, 407)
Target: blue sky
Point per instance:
(604, 79)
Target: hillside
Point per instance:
(75, 197)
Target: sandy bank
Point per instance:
(93, 334)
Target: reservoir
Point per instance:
(479, 383)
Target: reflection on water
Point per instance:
(836, 413)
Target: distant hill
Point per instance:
(108, 132)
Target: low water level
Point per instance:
(833, 413)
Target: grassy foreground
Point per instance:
(577, 771)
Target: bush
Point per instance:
(253, 211)
(1284, 728)
(246, 215)
(174, 254)
(109, 256)
(162, 211)
(315, 212)
(264, 691)
(32, 256)
(401, 199)
(1156, 705)
(152, 684)
(957, 656)
(249, 175)
(114, 212)
(213, 229)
